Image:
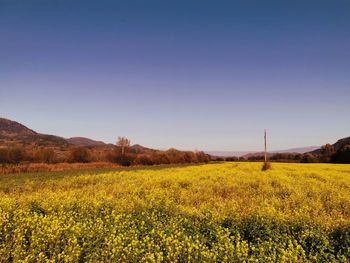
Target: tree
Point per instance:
(144, 159)
(124, 143)
(342, 155)
(309, 158)
(17, 154)
(327, 151)
(202, 157)
(124, 156)
(80, 155)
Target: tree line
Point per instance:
(122, 153)
(326, 154)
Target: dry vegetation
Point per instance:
(44, 167)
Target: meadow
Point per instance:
(221, 212)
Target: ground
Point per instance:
(231, 212)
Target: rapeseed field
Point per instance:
(222, 212)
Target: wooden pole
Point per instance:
(265, 146)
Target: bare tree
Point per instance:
(123, 142)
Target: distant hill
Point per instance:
(227, 153)
(12, 132)
(247, 154)
(339, 144)
(342, 142)
(255, 154)
(82, 141)
(139, 148)
(13, 129)
(19, 144)
(298, 150)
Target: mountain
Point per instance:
(256, 154)
(252, 153)
(298, 150)
(227, 153)
(13, 129)
(82, 141)
(12, 132)
(139, 148)
(338, 145)
(342, 142)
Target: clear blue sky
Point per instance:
(207, 75)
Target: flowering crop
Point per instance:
(229, 212)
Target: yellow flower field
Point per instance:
(224, 212)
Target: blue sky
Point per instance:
(207, 75)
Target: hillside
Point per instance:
(82, 141)
(140, 148)
(342, 142)
(247, 154)
(299, 150)
(13, 129)
(228, 153)
(19, 144)
(337, 145)
(12, 132)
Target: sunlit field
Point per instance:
(224, 212)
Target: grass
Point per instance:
(44, 167)
(231, 212)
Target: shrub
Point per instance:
(143, 159)
(4, 155)
(47, 156)
(309, 158)
(266, 166)
(79, 155)
(17, 154)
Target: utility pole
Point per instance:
(265, 146)
(266, 165)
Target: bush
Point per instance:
(266, 166)
(123, 159)
(309, 158)
(4, 155)
(143, 159)
(47, 156)
(17, 155)
(79, 155)
(202, 157)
